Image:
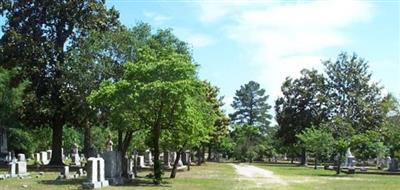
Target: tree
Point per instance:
(317, 141)
(304, 104)
(353, 96)
(153, 90)
(368, 145)
(221, 122)
(193, 126)
(37, 37)
(98, 57)
(251, 106)
(391, 126)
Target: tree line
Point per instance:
(71, 71)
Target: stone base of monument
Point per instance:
(95, 185)
(351, 171)
(115, 181)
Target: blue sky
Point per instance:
(236, 41)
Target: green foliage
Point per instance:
(391, 126)
(247, 138)
(353, 96)
(251, 106)
(317, 141)
(368, 145)
(70, 137)
(37, 38)
(10, 98)
(303, 104)
(21, 141)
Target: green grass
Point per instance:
(299, 178)
(209, 176)
(223, 177)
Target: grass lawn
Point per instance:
(299, 178)
(223, 177)
(210, 176)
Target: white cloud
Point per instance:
(156, 17)
(199, 40)
(287, 37)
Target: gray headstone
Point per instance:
(113, 167)
(394, 165)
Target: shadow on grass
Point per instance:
(62, 182)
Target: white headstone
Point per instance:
(43, 158)
(141, 161)
(95, 175)
(21, 168)
(21, 157)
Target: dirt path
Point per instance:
(258, 175)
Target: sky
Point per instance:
(266, 41)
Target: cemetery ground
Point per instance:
(226, 176)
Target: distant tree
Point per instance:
(247, 139)
(221, 123)
(303, 104)
(317, 141)
(251, 107)
(353, 96)
(368, 145)
(391, 126)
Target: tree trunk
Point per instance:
(124, 150)
(303, 158)
(189, 161)
(176, 161)
(198, 156)
(56, 157)
(87, 142)
(315, 162)
(120, 134)
(209, 152)
(203, 154)
(339, 163)
(157, 164)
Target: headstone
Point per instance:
(12, 167)
(394, 165)
(37, 157)
(21, 157)
(65, 173)
(43, 158)
(148, 158)
(21, 168)
(141, 162)
(350, 159)
(76, 161)
(184, 158)
(109, 144)
(96, 177)
(167, 164)
(49, 154)
(9, 157)
(388, 161)
(113, 167)
(131, 166)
